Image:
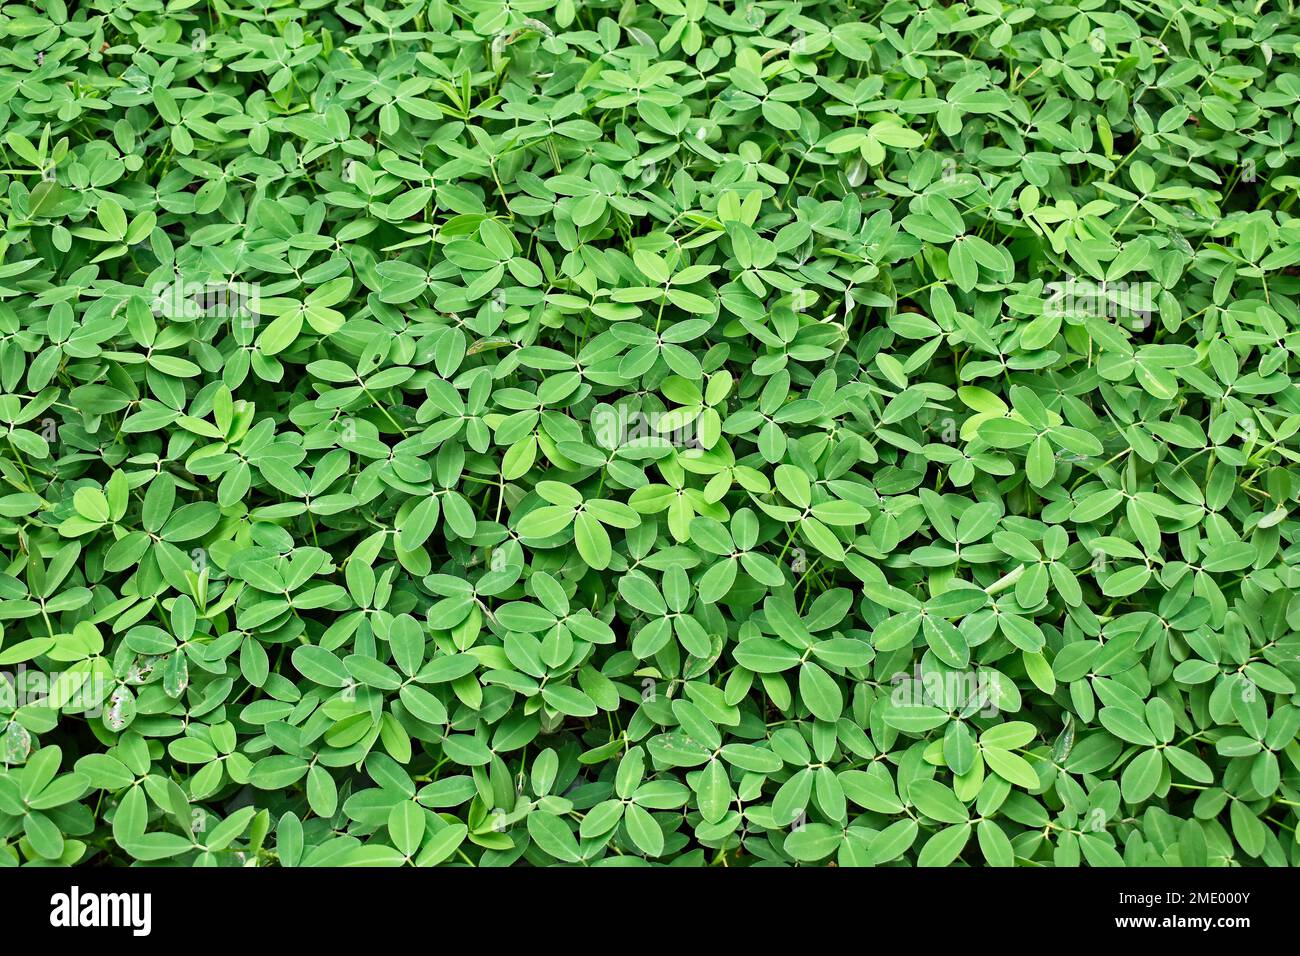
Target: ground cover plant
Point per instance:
(513, 432)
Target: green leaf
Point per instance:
(820, 692)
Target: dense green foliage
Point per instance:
(510, 432)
